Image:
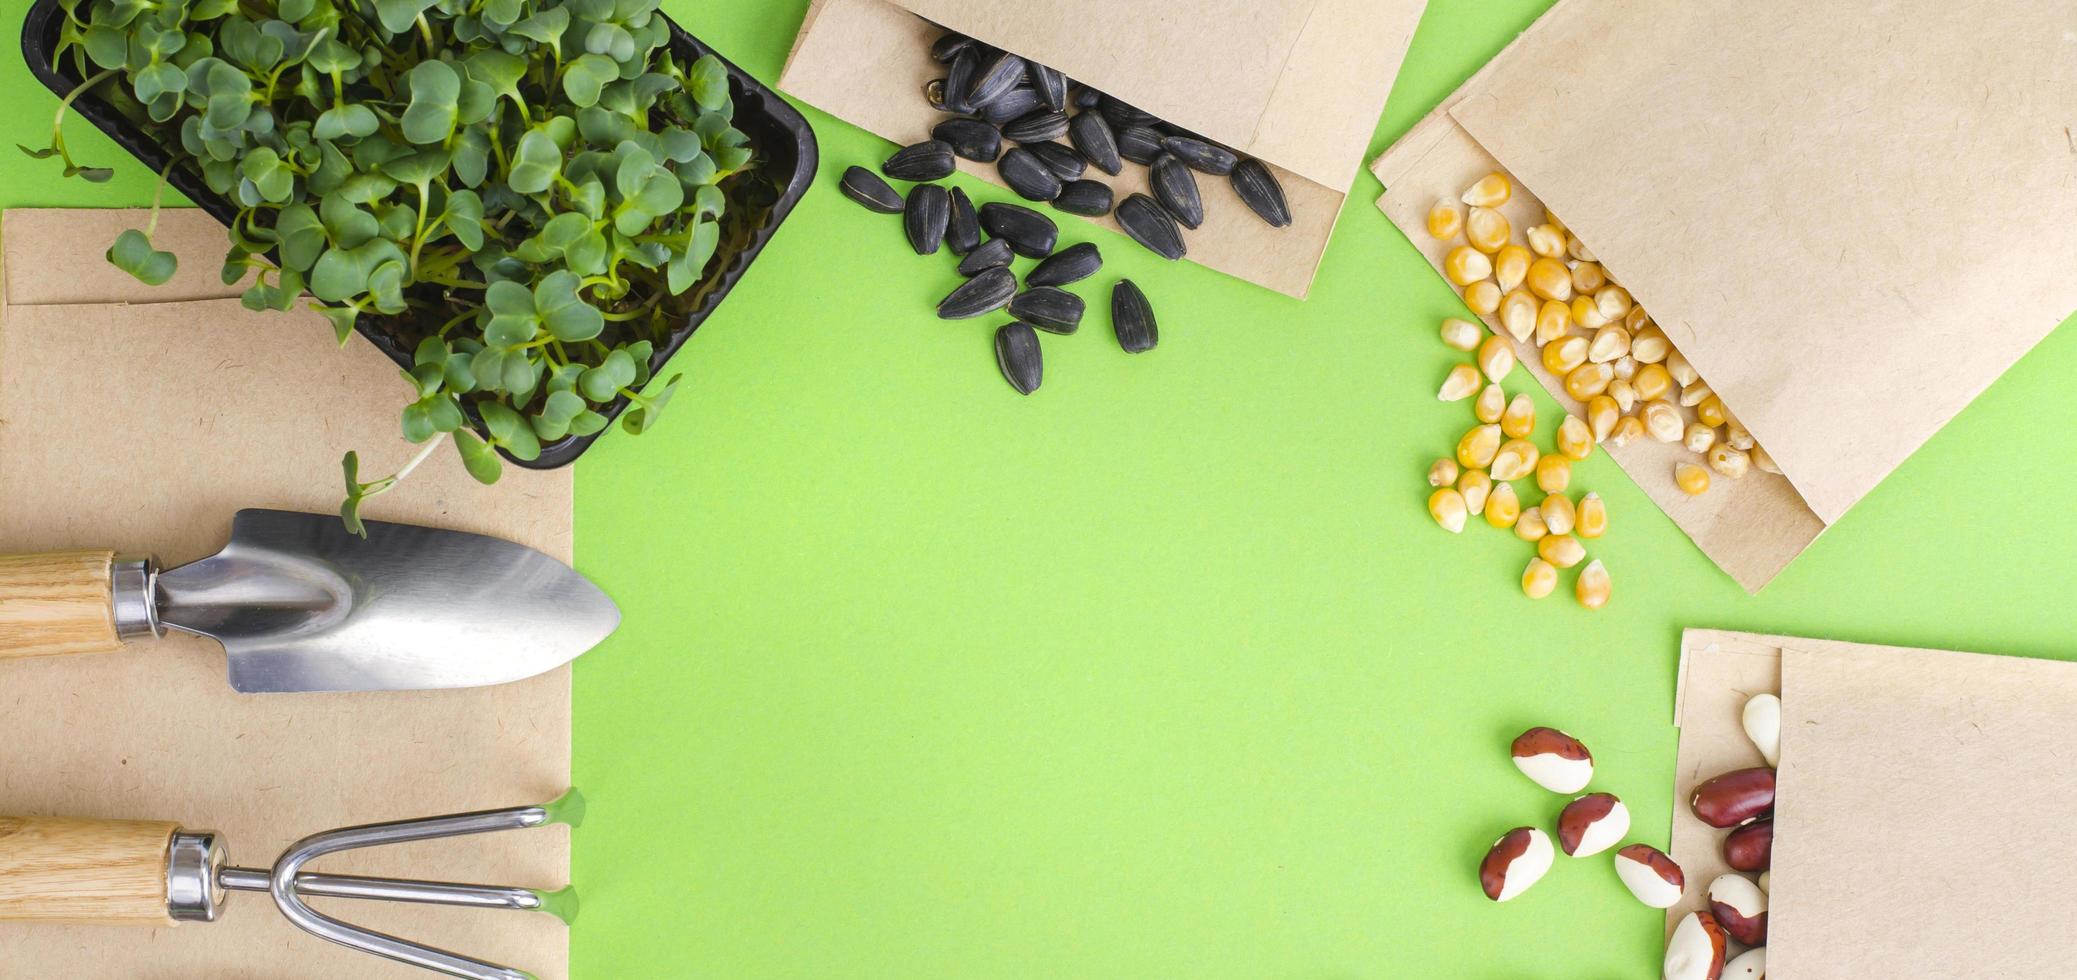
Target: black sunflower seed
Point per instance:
(996, 78)
(1176, 188)
(1132, 318)
(928, 160)
(1027, 175)
(1071, 264)
(1086, 97)
(969, 138)
(1050, 84)
(934, 93)
(1139, 144)
(1200, 155)
(924, 218)
(866, 187)
(1036, 127)
(1258, 188)
(1019, 101)
(1091, 134)
(1017, 353)
(1029, 233)
(1123, 116)
(1151, 225)
(992, 254)
(962, 227)
(1048, 308)
(959, 82)
(986, 292)
(1060, 158)
(1088, 198)
(948, 47)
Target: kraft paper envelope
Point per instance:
(1851, 220)
(1921, 798)
(1297, 84)
(140, 419)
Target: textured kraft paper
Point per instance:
(1921, 793)
(1297, 84)
(140, 418)
(1851, 221)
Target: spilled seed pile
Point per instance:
(1012, 112)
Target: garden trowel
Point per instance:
(301, 604)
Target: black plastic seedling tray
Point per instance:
(758, 198)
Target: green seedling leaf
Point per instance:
(552, 422)
(106, 47)
(397, 16)
(509, 431)
(602, 384)
(294, 10)
(463, 215)
(356, 491)
(342, 318)
(133, 253)
(346, 224)
(269, 173)
(477, 457)
(229, 94)
(586, 76)
(587, 423)
(430, 352)
(301, 234)
(472, 156)
(513, 322)
(158, 80)
(434, 89)
(329, 56)
(546, 27)
(353, 121)
(685, 267)
(536, 164)
(342, 273)
(641, 416)
(708, 82)
(566, 315)
(386, 285)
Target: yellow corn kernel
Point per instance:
(1503, 508)
(1442, 472)
(1520, 418)
(1553, 473)
(1698, 437)
(1662, 421)
(1447, 507)
(1649, 345)
(1539, 579)
(1627, 428)
(1464, 335)
(1592, 521)
(1486, 230)
(1625, 367)
(1695, 393)
(1475, 451)
(1692, 479)
(1562, 550)
(1491, 403)
(1510, 266)
(1552, 220)
(1588, 277)
(1516, 459)
(1622, 393)
(1680, 370)
(1577, 249)
(1462, 383)
(1588, 380)
(1547, 241)
(1652, 382)
(1477, 488)
(1710, 410)
(1561, 357)
(1614, 301)
(1610, 343)
(1586, 314)
(1553, 319)
(1530, 527)
(1496, 358)
(1593, 587)
(1518, 314)
(1482, 296)
(1729, 462)
(1737, 436)
(1636, 320)
(1602, 413)
(1466, 265)
(1763, 462)
(1558, 513)
(1549, 279)
(1575, 439)
(1444, 220)
(1491, 191)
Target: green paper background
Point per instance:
(1163, 670)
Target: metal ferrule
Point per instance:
(133, 595)
(193, 860)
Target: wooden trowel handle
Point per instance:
(69, 870)
(57, 603)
